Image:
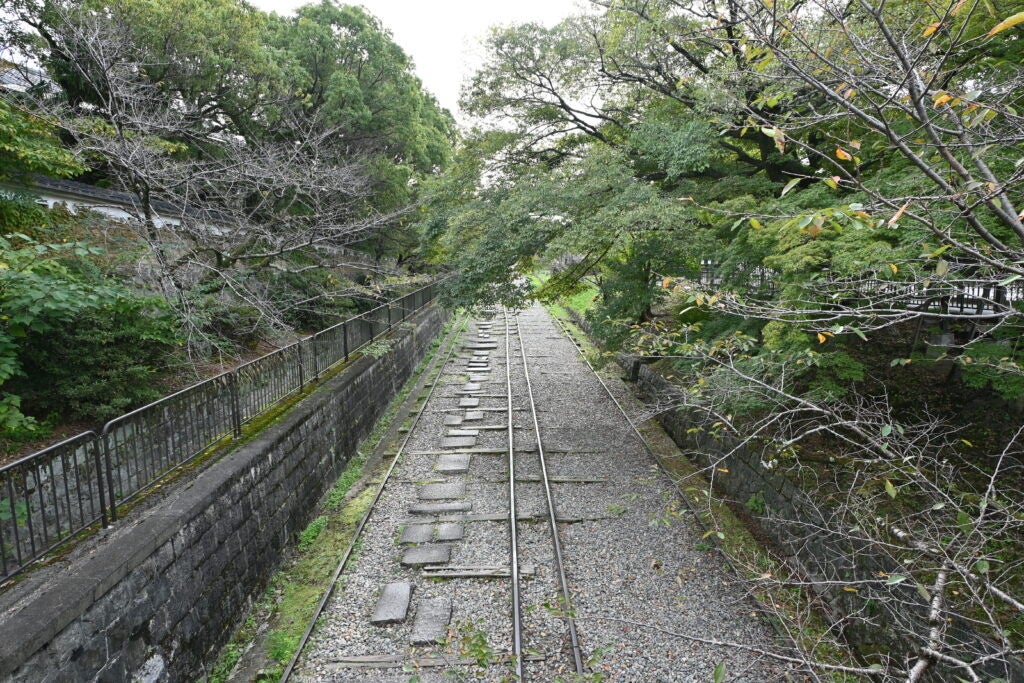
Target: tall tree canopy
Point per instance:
(784, 198)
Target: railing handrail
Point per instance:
(54, 493)
(52, 447)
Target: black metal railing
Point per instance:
(49, 496)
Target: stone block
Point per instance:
(393, 604)
(453, 462)
(458, 442)
(417, 533)
(450, 531)
(446, 491)
(430, 553)
(469, 403)
(431, 623)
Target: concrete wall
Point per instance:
(161, 592)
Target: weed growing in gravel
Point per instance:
(471, 641)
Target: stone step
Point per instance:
(469, 403)
(453, 463)
(431, 622)
(428, 553)
(462, 432)
(445, 491)
(417, 533)
(393, 604)
(450, 531)
(458, 442)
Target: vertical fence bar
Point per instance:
(236, 405)
(110, 476)
(314, 345)
(302, 372)
(344, 338)
(94, 446)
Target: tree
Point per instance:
(846, 171)
(248, 188)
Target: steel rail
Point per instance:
(513, 520)
(555, 542)
(322, 605)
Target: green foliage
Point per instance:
(105, 363)
(997, 364)
(312, 532)
(28, 145)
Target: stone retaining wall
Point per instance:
(159, 593)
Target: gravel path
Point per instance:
(633, 578)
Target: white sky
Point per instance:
(443, 36)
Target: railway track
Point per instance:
(511, 537)
(525, 466)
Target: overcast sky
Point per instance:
(443, 36)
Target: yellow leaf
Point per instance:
(849, 589)
(666, 282)
(1009, 22)
(893, 268)
(832, 182)
(755, 224)
(843, 154)
(822, 338)
(932, 28)
(941, 99)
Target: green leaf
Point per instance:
(963, 520)
(981, 566)
(1012, 278)
(886, 430)
(895, 579)
(789, 186)
(890, 489)
(719, 674)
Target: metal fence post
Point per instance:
(110, 475)
(236, 404)
(344, 338)
(302, 371)
(94, 446)
(388, 308)
(314, 343)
